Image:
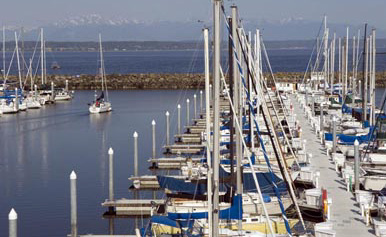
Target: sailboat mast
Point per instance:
(353, 79)
(101, 58)
(216, 115)
(4, 73)
(45, 62)
(366, 79)
(207, 119)
(30, 74)
(340, 63)
(373, 80)
(42, 55)
(346, 63)
(333, 64)
(364, 76)
(325, 52)
(325, 58)
(18, 60)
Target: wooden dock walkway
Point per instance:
(345, 212)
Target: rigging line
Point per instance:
(243, 80)
(367, 152)
(30, 66)
(251, 164)
(285, 174)
(312, 53)
(281, 103)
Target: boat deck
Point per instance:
(345, 212)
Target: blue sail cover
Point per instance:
(264, 179)
(350, 139)
(180, 185)
(235, 212)
(265, 183)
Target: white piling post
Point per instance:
(356, 164)
(309, 157)
(317, 175)
(36, 92)
(153, 136)
(52, 91)
(111, 174)
(321, 124)
(74, 214)
(66, 85)
(333, 134)
(167, 128)
(179, 118)
(16, 105)
(12, 219)
(329, 204)
(201, 108)
(187, 111)
(135, 136)
(195, 105)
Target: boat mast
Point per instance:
(101, 59)
(42, 55)
(373, 81)
(102, 69)
(18, 60)
(216, 115)
(4, 53)
(364, 94)
(325, 54)
(365, 91)
(340, 65)
(346, 63)
(353, 79)
(237, 103)
(208, 139)
(45, 62)
(332, 64)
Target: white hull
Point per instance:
(103, 107)
(33, 104)
(62, 98)
(374, 182)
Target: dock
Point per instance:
(184, 149)
(345, 212)
(133, 207)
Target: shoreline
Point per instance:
(167, 81)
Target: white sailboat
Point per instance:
(101, 104)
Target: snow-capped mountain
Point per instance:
(87, 28)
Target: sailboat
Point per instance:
(100, 103)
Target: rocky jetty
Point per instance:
(163, 81)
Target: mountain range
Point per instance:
(86, 28)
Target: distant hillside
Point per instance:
(160, 45)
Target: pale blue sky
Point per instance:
(37, 12)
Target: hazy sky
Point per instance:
(38, 12)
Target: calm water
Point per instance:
(39, 149)
(74, 63)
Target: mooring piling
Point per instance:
(12, 219)
(167, 128)
(153, 139)
(74, 214)
(111, 174)
(135, 136)
(187, 111)
(178, 119)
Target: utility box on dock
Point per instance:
(314, 197)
